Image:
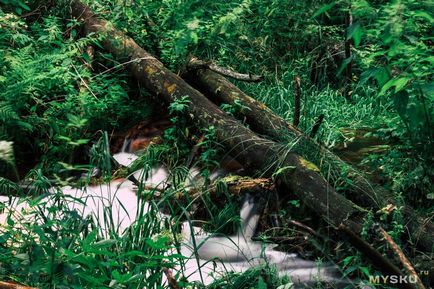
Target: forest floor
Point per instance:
(111, 178)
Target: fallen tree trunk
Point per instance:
(299, 176)
(264, 121)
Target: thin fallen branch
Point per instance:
(87, 64)
(377, 259)
(10, 285)
(405, 262)
(195, 63)
(304, 227)
(173, 284)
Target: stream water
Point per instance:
(207, 256)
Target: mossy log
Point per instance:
(257, 154)
(237, 186)
(355, 185)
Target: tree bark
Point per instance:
(236, 185)
(352, 182)
(297, 175)
(10, 285)
(224, 71)
(405, 262)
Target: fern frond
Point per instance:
(7, 112)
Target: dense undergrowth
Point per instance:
(56, 114)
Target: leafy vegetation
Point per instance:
(60, 106)
(62, 250)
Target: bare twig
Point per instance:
(173, 284)
(404, 260)
(195, 151)
(348, 55)
(195, 63)
(87, 63)
(297, 97)
(90, 51)
(304, 227)
(45, 5)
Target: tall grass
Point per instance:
(366, 110)
(48, 244)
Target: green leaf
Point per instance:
(365, 271)
(324, 9)
(23, 5)
(295, 203)
(281, 171)
(416, 115)
(10, 221)
(368, 74)
(355, 32)
(398, 83)
(159, 243)
(89, 239)
(261, 284)
(194, 37)
(65, 138)
(347, 260)
(134, 278)
(135, 253)
(82, 141)
(86, 57)
(104, 243)
(424, 14)
(382, 76)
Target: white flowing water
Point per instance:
(211, 256)
(207, 256)
(117, 198)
